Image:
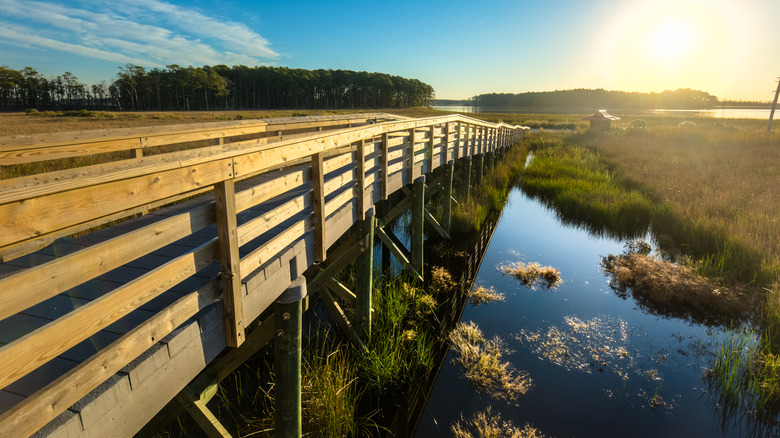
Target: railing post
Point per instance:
(458, 140)
(467, 169)
(318, 200)
(412, 176)
(288, 328)
(429, 155)
(480, 167)
(418, 221)
(447, 208)
(445, 147)
(364, 273)
(230, 283)
(385, 167)
(361, 179)
(466, 141)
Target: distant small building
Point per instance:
(601, 120)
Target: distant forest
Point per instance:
(176, 88)
(683, 98)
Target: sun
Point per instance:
(671, 41)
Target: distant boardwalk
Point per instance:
(179, 253)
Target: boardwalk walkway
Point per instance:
(99, 332)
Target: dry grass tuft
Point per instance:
(487, 425)
(481, 360)
(441, 280)
(667, 288)
(481, 295)
(533, 273)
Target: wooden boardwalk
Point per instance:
(99, 332)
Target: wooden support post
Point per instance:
(480, 167)
(457, 140)
(429, 154)
(467, 176)
(139, 151)
(383, 157)
(466, 141)
(445, 145)
(230, 284)
(364, 273)
(288, 316)
(447, 209)
(361, 179)
(491, 161)
(412, 175)
(383, 208)
(418, 222)
(318, 200)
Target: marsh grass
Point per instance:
(662, 287)
(401, 345)
(481, 295)
(532, 274)
(489, 196)
(482, 364)
(486, 424)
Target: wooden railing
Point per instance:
(335, 178)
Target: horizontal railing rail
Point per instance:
(320, 185)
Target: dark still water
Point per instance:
(600, 366)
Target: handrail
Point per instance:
(393, 153)
(23, 149)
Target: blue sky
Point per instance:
(730, 48)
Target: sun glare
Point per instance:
(671, 41)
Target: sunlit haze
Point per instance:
(726, 47)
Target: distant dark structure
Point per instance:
(601, 120)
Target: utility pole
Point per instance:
(774, 105)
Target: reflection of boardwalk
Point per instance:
(100, 331)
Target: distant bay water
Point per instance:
(721, 113)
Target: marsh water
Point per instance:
(718, 113)
(600, 365)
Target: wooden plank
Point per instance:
(361, 180)
(435, 224)
(38, 409)
(337, 313)
(27, 353)
(268, 220)
(333, 184)
(318, 199)
(285, 181)
(342, 291)
(199, 412)
(34, 217)
(230, 272)
(340, 200)
(384, 158)
(31, 286)
(261, 255)
(337, 162)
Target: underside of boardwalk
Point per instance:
(121, 282)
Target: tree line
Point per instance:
(683, 98)
(176, 88)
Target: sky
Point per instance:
(729, 48)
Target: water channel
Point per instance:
(600, 366)
(717, 113)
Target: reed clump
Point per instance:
(662, 287)
(486, 424)
(481, 361)
(481, 295)
(532, 274)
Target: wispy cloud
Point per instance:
(145, 32)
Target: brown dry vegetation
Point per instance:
(666, 288)
(485, 424)
(720, 180)
(481, 361)
(481, 295)
(533, 273)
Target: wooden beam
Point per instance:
(199, 412)
(27, 353)
(395, 247)
(229, 261)
(338, 314)
(410, 149)
(318, 198)
(361, 180)
(37, 410)
(435, 224)
(383, 156)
